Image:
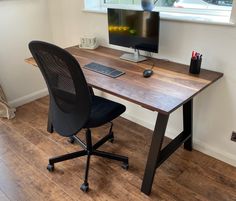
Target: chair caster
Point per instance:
(84, 187)
(125, 166)
(71, 140)
(50, 168)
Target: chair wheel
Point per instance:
(125, 166)
(84, 187)
(71, 140)
(50, 168)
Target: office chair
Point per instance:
(73, 106)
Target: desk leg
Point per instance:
(91, 90)
(188, 123)
(50, 126)
(154, 152)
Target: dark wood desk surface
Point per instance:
(169, 87)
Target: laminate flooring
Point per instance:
(25, 147)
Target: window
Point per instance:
(122, 2)
(225, 5)
(212, 11)
(207, 4)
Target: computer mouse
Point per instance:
(147, 73)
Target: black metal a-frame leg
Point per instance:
(157, 156)
(50, 126)
(154, 152)
(188, 124)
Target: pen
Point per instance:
(194, 55)
(198, 56)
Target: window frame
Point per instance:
(177, 14)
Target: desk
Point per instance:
(170, 87)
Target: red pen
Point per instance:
(194, 53)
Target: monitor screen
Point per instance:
(135, 29)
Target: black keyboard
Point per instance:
(105, 70)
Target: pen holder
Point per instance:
(195, 66)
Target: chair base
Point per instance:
(89, 150)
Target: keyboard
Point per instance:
(105, 70)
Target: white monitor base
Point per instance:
(135, 57)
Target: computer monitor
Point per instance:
(136, 29)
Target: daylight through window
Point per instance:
(224, 5)
(209, 11)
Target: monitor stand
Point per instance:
(134, 57)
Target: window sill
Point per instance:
(183, 17)
(196, 18)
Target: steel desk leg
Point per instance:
(157, 155)
(157, 140)
(188, 124)
(50, 126)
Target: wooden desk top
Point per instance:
(169, 87)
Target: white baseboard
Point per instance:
(214, 152)
(28, 98)
(137, 120)
(197, 144)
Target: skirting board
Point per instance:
(29, 98)
(198, 145)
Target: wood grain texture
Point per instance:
(25, 148)
(168, 88)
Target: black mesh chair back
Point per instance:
(70, 99)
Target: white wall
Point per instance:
(20, 22)
(214, 108)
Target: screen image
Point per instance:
(135, 29)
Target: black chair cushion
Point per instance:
(103, 111)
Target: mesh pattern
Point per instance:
(63, 76)
(59, 79)
(70, 100)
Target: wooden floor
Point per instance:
(25, 147)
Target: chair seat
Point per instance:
(103, 111)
